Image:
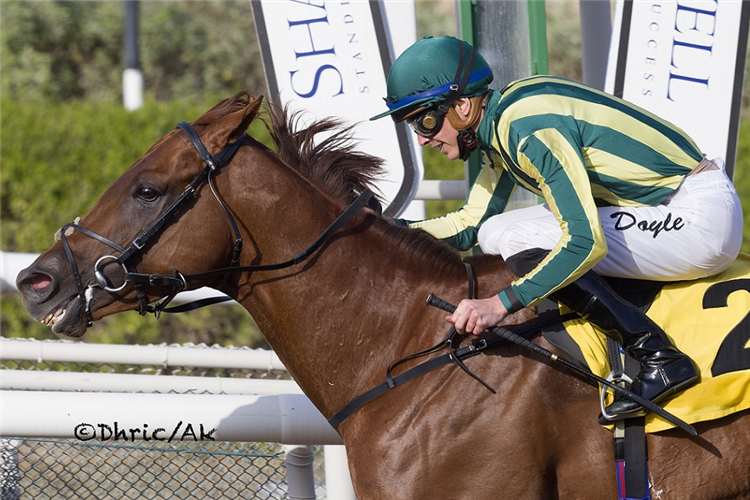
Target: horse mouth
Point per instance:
(54, 317)
(66, 319)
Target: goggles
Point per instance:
(427, 123)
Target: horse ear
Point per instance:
(239, 111)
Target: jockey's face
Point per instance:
(447, 137)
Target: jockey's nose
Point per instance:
(422, 141)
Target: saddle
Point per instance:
(707, 319)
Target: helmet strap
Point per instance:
(467, 143)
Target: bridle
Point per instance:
(177, 281)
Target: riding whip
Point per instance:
(435, 301)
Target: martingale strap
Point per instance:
(355, 404)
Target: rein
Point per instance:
(454, 355)
(177, 281)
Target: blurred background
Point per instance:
(65, 135)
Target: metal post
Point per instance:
(132, 77)
(299, 472)
(538, 37)
(596, 31)
(503, 37)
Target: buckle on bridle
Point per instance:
(176, 280)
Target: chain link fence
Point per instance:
(67, 469)
(205, 469)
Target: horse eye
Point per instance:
(147, 193)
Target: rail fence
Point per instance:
(145, 462)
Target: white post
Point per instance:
(338, 480)
(132, 89)
(299, 472)
(132, 78)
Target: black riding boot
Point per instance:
(664, 369)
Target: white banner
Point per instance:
(331, 59)
(684, 61)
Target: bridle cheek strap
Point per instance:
(177, 281)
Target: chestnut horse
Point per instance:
(338, 319)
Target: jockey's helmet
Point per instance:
(434, 71)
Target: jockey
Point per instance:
(626, 194)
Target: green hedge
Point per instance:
(58, 158)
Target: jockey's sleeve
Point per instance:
(549, 162)
(488, 196)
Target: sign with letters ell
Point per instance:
(684, 60)
(330, 59)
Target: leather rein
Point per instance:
(178, 281)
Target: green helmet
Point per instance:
(432, 71)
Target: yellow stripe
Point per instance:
(603, 162)
(550, 97)
(469, 215)
(595, 114)
(569, 160)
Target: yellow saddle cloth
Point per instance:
(707, 319)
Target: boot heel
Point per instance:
(656, 384)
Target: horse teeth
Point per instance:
(54, 317)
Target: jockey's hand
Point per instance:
(475, 316)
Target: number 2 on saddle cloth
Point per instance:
(707, 319)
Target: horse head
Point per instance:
(81, 277)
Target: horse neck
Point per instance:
(339, 319)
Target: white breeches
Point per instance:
(696, 232)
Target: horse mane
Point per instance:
(342, 172)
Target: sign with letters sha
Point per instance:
(684, 61)
(330, 59)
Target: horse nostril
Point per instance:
(39, 281)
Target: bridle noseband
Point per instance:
(177, 281)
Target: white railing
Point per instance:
(198, 356)
(112, 407)
(35, 380)
(284, 418)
